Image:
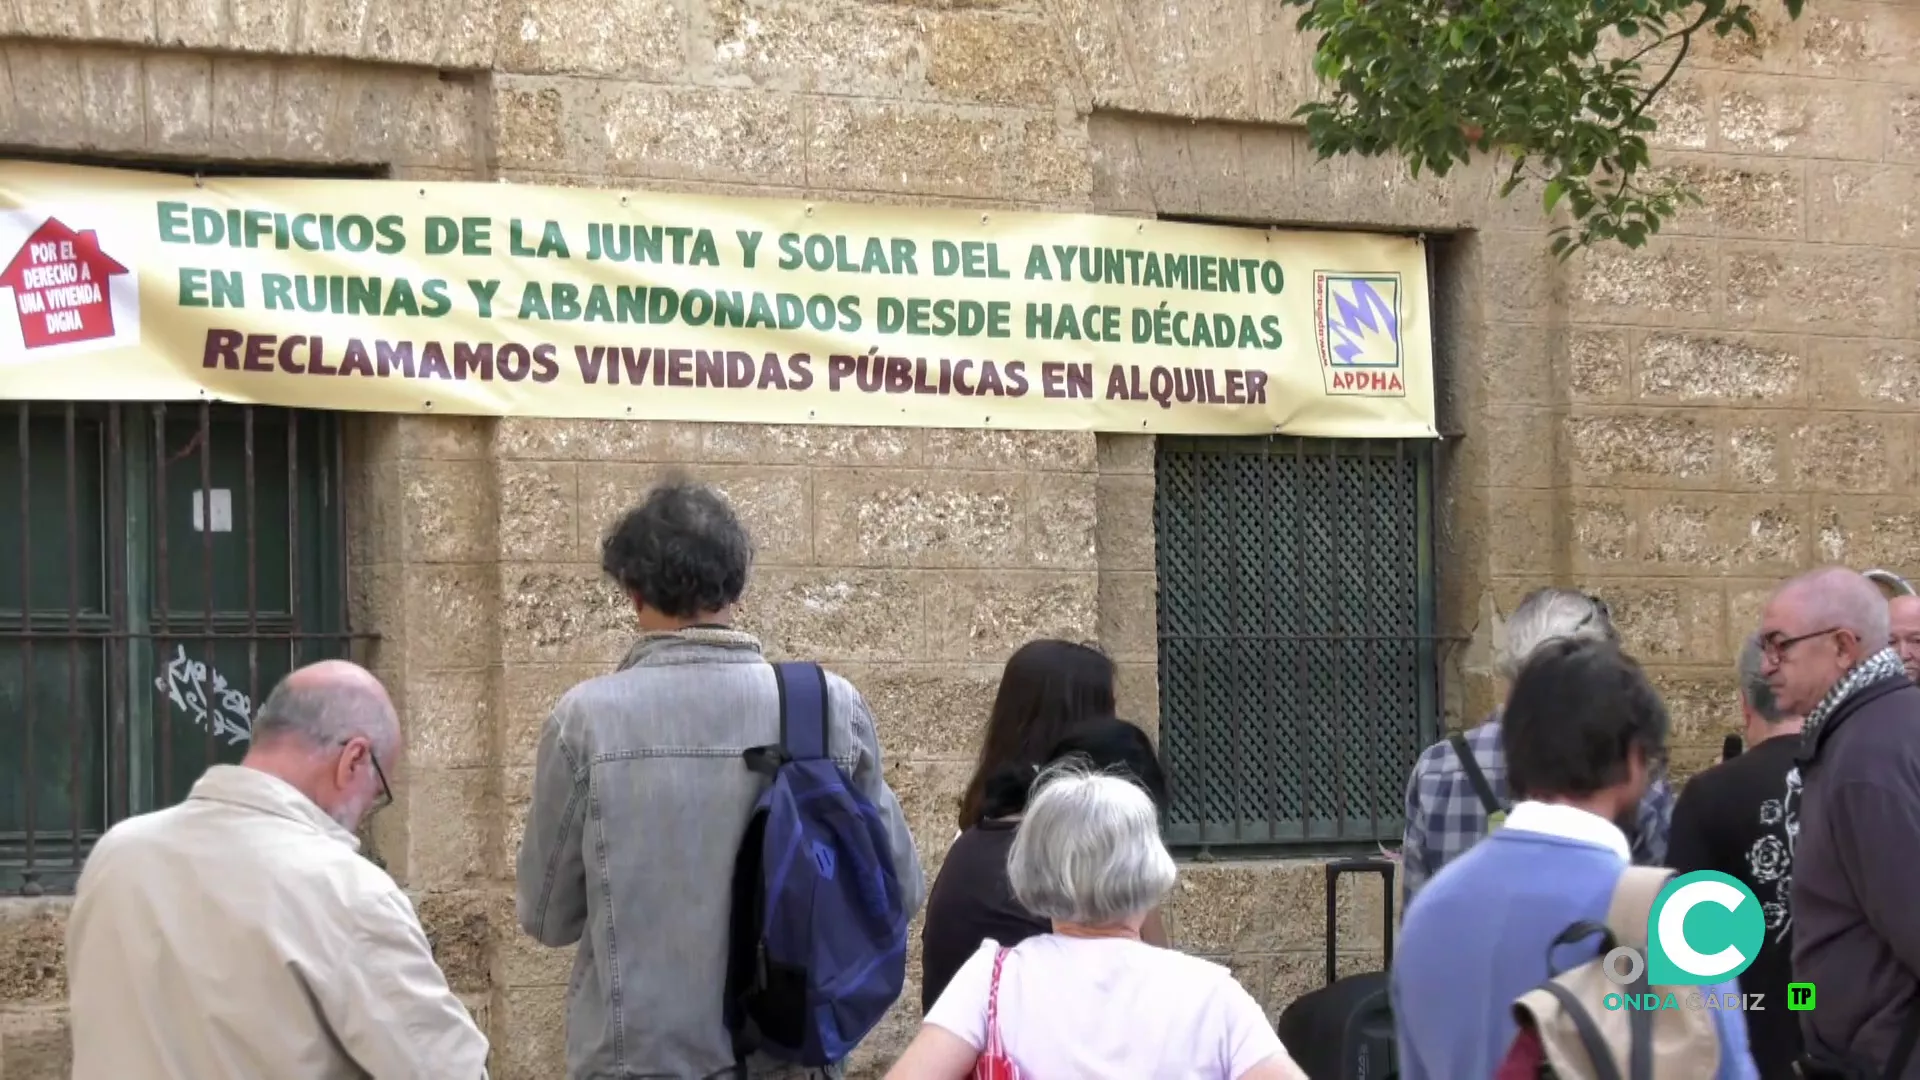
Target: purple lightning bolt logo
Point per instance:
(1359, 314)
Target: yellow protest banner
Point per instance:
(487, 299)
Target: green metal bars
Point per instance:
(161, 567)
(1298, 660)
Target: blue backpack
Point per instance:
(819, 926)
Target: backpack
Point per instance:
(1569, 1034)
(818, 949)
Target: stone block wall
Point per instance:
(33, 989)
(1674, 428)
(1737, 403)
(911, 561)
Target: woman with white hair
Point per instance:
(1456, 778)
(1090, 1000)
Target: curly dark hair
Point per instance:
(681, 552)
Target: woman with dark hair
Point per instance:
(972, 900)
(1049, 687)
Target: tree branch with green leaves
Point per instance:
(1560, 90)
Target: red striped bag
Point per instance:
(994, 1064)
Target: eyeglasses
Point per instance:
(1774, 647)
(1598, 611)
(386, 792)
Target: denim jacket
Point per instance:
(640, 798)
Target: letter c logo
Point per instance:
(1708, 909)
(1673, 927)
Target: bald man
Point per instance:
(241, 935)
(1856, 859)
(1903, 624)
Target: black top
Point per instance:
(971, 902)
(1741, 818)
(1856, 926)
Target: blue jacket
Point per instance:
(1476, 938)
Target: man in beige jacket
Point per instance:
(240, 935)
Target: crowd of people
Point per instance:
(714, 837)
(1818, 817)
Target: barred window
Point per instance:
(1297, 658)
(161, 567)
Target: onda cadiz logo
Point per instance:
(1705, 927)
(1356, 318)
(65, 291)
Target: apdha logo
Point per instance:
(1356, 321)
(1706, 927)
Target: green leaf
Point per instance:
(1431, 82)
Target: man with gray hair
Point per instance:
(1856, 925)
(240, 934)
(1458, 790)
(1741, 818)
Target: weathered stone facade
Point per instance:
(1675, 428)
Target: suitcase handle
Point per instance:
(1335, 869)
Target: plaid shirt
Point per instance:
(1445, 818)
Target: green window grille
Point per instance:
(1298, 667)
(161, 567)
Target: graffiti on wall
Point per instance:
(206, 697)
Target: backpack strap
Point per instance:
(1627, 916)
(803, 710)
(1632, 904)
(1474, 776)
(1590, 1037)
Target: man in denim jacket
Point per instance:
(640, 798)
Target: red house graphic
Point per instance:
(60, 287)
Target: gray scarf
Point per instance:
(1881, 665)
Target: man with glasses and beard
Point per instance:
(241, 935)
(1856, 880)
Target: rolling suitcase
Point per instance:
(1344, 1030)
